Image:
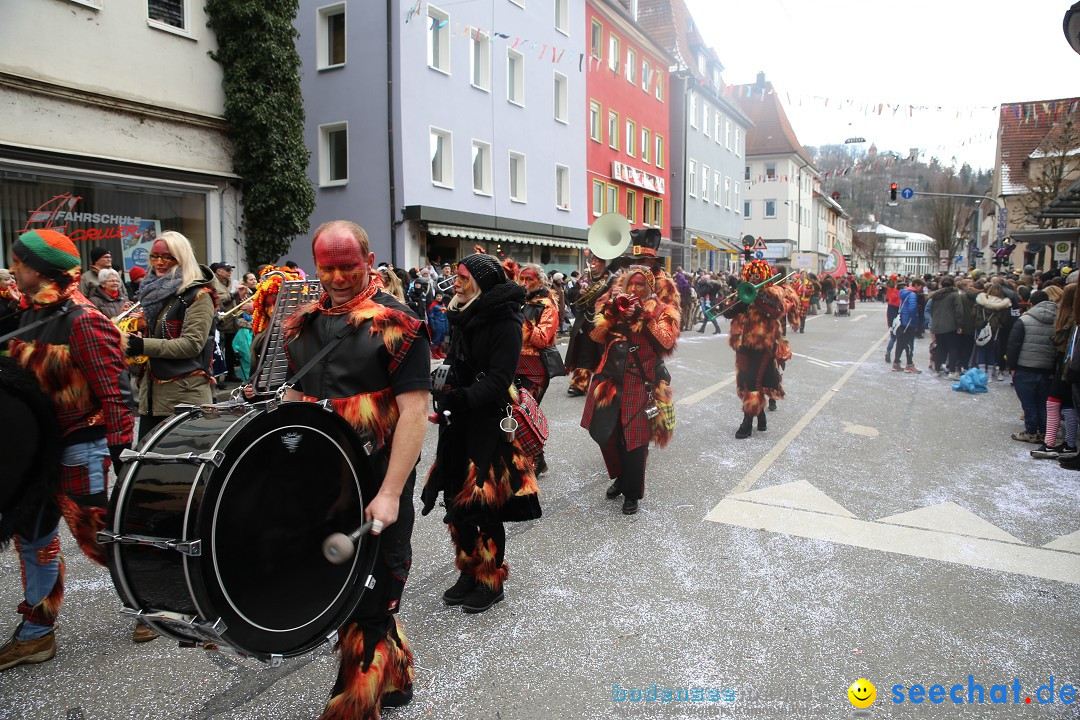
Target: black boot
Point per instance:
(772, 406)
(613, 490)
(761, 422)
(456, 595)
(629, 506)
(541, 464)
(746, 428)
(481, 598)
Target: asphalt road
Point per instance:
(884, 527)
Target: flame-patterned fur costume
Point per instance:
(266, 293)
(631, 374)
(582, 352)
(537, 332)
(758, 343)
(386, 353)
(484, 479)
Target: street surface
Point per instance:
(884, 527)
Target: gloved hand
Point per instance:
(114, 453)
(455, 401)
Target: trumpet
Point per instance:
(128, 322)
(746, 292)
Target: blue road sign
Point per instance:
(759, 254)
(907, 193)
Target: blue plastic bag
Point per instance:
(973, 381)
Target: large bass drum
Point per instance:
(216, 526)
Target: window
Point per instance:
(612, 203)
(515, 77)
(631, 138)
(658, 212)
(613, 129)
(770, 171)
(746, 173)
(171, 13)
(693, 110)
(691, 179)
(658, 157)
(705, 123)
(559, 98)
(727, 193)
(719, 124)
(481, 168)
(646, 210)
(646, 75)
(597, 198)
(716, 188)
(705, 182)
(727, 133)
(735, 185)
(631, 66)
(631, 206)
(330, 39)
(438, 40)
(596, 41)
(562, 187)
(746, 209)
(480, 60)
(333, 154)
(660, 88)
(595, 130)
(442, 157)
(770, 208)
(738, 142)
(518, 188)
(701, 63)
(562, 16)
(613, 52)
(646, 144)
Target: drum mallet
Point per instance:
(339, 547)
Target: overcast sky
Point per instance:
(966, 55)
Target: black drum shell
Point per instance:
(289, 477)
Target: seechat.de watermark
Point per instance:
(974, 693)
(664, 694)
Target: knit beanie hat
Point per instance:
(485, 269)
(97, 253)
(136, 274)
(50, 253)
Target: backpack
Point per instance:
(985, 334)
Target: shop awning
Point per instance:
(714, 243)
(1046, 236)
(474, 233)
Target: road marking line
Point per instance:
(702, 394)
(770, 457)
(863, 430)
(857, 318)
(915, 542)
(816, 360)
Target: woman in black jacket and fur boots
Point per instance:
(485, 479)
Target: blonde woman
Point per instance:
(391, 282)
(178, 308)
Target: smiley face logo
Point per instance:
(862, 693)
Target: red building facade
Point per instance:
(628, 119)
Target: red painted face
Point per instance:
(529, 280)
(161, 257)
(344, 270)
(638, 285)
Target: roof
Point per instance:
(1064, 206)
(772, 133)
(1022, 128)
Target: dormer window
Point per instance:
(701, 63)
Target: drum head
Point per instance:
(293, 476)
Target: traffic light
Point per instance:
(892, 192)
(747, 251)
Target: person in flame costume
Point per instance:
(377, 378)
(538, 332)
(485, 478)
(760, 349)
(637, 330)
(583, 353)
(643, 251)
(75, 357)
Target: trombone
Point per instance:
(746, 292)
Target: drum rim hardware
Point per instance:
(191, 548)
(213, 457)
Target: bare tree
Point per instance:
(1052, 167)
(948, 216)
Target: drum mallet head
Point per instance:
(338, 548)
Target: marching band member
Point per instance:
(583, 353)
(637, 330)
(377, 378)
(538, 332)
(759, 347)
(485, 478)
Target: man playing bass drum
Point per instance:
(377, 378)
